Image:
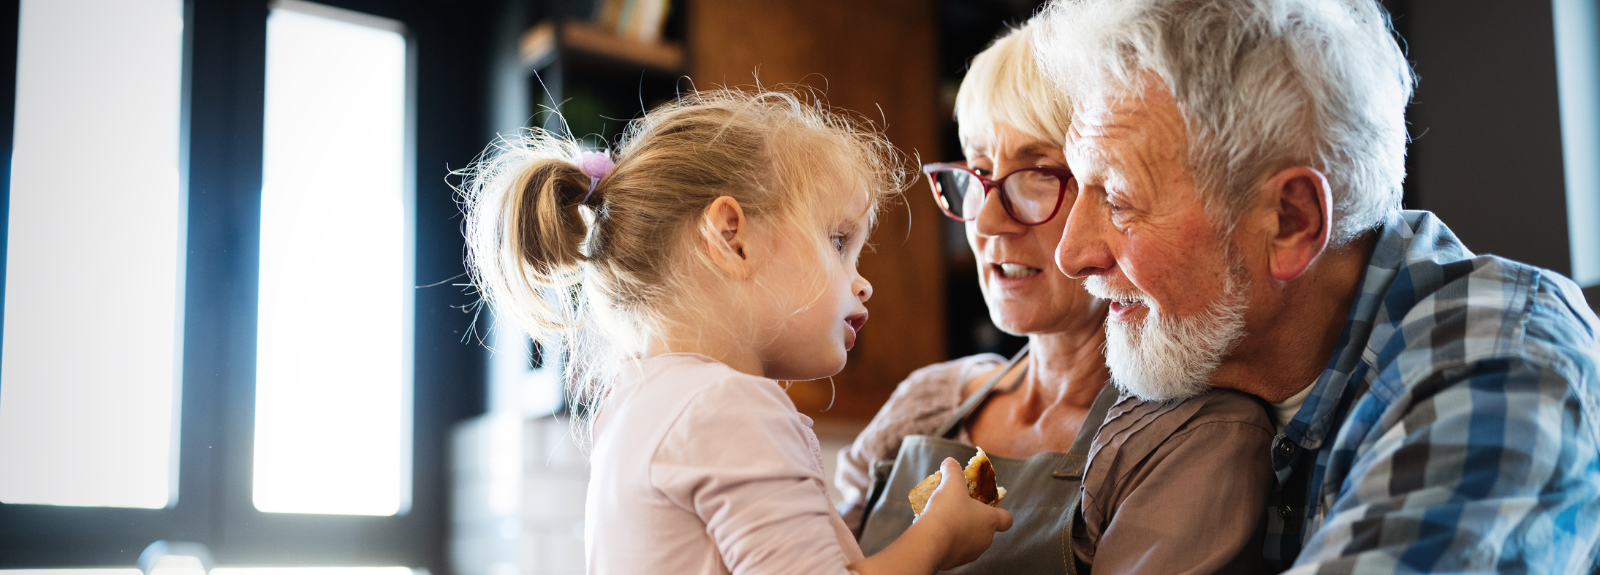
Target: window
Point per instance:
(210, 279)
(334, 338)
(94, 256)
(1577, 27)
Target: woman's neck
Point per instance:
(1066, 367)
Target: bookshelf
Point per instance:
(543, 44)
(877, 59)
(598, 78)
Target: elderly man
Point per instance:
(1239, 166)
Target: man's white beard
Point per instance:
(1165, 357)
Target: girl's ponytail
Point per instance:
(525, 233)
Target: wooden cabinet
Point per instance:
(876, 58)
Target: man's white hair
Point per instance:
(1262, 85)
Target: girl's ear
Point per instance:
(726, 234)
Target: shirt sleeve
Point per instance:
(1487, 468)
(738, 459)
(1196, 506)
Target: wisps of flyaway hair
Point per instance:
(596, 275)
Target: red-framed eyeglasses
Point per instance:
(1031, 196)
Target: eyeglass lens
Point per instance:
(1032, 195)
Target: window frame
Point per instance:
(221, 146)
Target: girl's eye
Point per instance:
(838, 243)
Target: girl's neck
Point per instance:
(730, 353)
(1067, 367)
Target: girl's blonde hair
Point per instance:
(596, 274)
(1004, 85)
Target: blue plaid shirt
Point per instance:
(1456, 427)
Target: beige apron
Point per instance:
(1042, 491)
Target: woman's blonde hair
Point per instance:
(596, 274)
(1004, 85)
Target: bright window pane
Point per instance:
(104, 571)
(88, 368)
(315, 571)
(333, 378)
(1577, 27)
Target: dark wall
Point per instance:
(1486, 125)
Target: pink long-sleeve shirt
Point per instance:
(698, 468)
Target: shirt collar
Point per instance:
(1387, 293)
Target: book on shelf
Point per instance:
(637, 20)
(539, 44)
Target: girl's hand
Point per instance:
(966, 526)
(954, 530)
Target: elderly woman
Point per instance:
(1165, 487)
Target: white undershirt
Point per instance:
(1287, 408)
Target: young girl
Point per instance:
(713, 254)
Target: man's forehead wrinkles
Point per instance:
(1089, 158)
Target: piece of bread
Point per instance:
(981, 484)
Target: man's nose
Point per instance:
(1082, 251)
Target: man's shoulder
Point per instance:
(1135, 428)
(1448, 319)
(1443, 307)
(1485, 309)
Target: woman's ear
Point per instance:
(726, 234)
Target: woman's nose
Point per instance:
(992, 218)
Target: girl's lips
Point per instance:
(854, 322)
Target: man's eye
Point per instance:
(1112, 203)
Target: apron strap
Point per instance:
(1072, 465)
(948, 429)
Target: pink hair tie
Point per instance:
(596, 165)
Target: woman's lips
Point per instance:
(854, 323)
(1012, 272)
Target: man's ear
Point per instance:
(1304, 208)
(726, 234)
